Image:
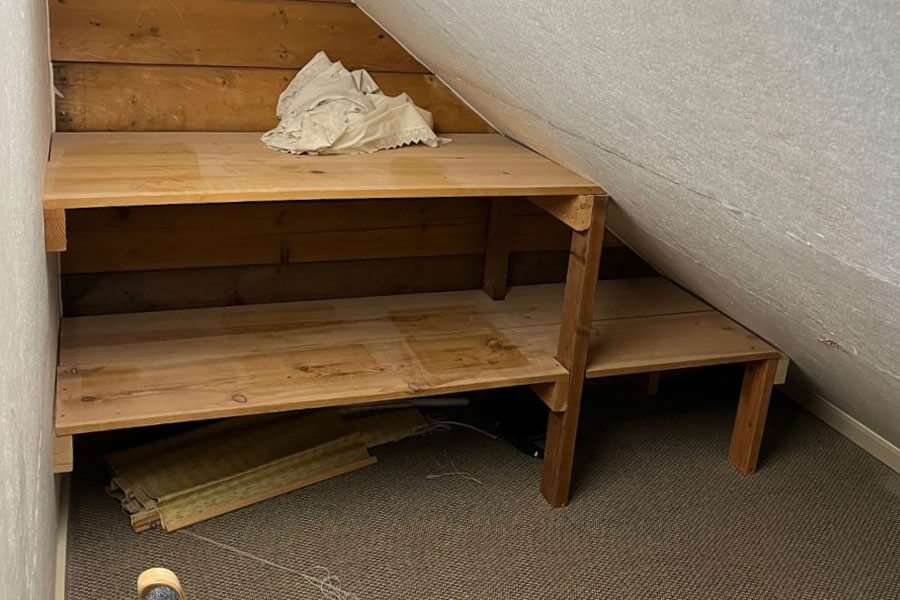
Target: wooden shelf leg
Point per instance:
(650, 382)
(497, 247)
(753, 407)
(574, 338)
(63, 460)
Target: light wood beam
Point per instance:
(55, 230)
(572, 348)
(63, 457)
(574, 211)
(751, 414)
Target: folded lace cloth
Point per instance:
(327, 109)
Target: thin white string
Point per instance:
(443, 425)
(329, 585)
(453, 470)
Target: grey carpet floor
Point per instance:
(656, 513)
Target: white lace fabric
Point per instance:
(327, 109)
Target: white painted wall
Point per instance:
(28, 309)
(752, 150)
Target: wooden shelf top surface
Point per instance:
(151, 168)
(119, 371)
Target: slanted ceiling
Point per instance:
(751, 150)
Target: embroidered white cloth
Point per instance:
(327, 109)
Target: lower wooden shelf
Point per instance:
(671, 341)
(128, 370)
(119, 371)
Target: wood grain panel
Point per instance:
(673, 341)
(136, 291)
(120, 371)
(169, 237)
(233, 33)
(55, 230)
(94, 170)
(114, 97)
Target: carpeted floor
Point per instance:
(656, 513)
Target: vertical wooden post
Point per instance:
(574, 338)
(751, 414)
(650, 382)
(497, 247)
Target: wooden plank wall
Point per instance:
(219, 65)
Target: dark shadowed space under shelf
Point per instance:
(656, 512)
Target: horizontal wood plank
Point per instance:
(136, 291)
(88, 338)
(115, 97)
(92, 170)
(171, 237)
(675, 341)
(231, 33)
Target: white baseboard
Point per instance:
(844, 424)
(62, 533)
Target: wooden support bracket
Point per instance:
(544, 391)
(750, 421)
(497, 247)
(572, 349)
(55, 229)
(63, 457)
(574, 211)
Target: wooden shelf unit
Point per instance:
(128, 370)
